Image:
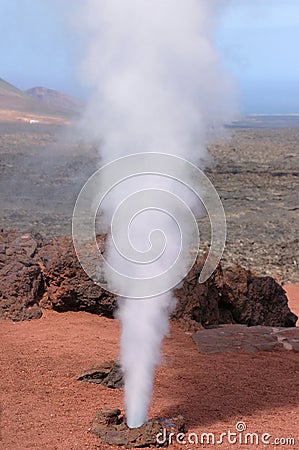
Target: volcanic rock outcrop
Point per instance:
(68, 288)
(232, 295)
(21, 283)
(37, 273)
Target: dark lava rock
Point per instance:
(254, 300)
(110, 427)
(108, 374)
(198, 303)
(232, 295)
(36, 273)
(21, 280)
(68, 288)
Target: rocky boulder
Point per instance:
(67, 286)
(254, 300)
(232, 295)
(21, 285)
(198, 303)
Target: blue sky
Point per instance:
(258, 41)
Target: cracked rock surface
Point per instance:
(109, 425)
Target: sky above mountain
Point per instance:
(257, 40)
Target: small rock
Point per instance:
(109, 374)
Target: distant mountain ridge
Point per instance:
(55, 98)
(40, 104)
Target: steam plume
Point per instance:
(157, 87)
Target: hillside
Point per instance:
(6, 87)
(10, 96)
(55, 98)
(18, 106)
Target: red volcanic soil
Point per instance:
(43, 406)
(292, 291)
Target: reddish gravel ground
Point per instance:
(44, 407)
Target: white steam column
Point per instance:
(157, 89)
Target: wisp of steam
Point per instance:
(158, 87)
